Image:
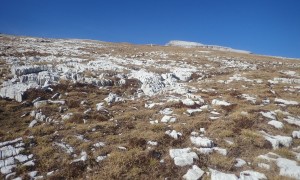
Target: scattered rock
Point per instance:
(292, 120)
(39, 104)
(173, 134)
(188, 102)
(288, 168)
(285, 102)
(32, 123)
(201, 142)
(113, 98)
(270, 115)
(152, 143)
(246, 175)
(192, 111)
(66, 116)
(100, 158)
(220, 102)
(217, 175)
(166, 111)
(240, 162)
(83, 157)
(167, 119)
(99, 144)
(183, 157)
(277, 140)
(296, 134)
(194, 173)
(67, 148)
(264, 166)
(22, 70)
(276, 124)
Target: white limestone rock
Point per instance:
(7, 169)
(184, 74)
(99, 144)
(205, 150)
(276, 124)
(55, 96)
(10, 175)
(202, 130)
(46, 78)
(251, 175)
(22, 70)
(277, 140)
(29, 163)
(196, 98)
(220, 103)
(221, 151)
(269, 156)
(194, 173)
(36, 99)
(66, 116)
(21, 158)
(113, 98)
(269, 115)
(183, 157)
(166, 111)
(288, 168)
(15, 91)
(192, 111)
(240, 162)
(83, 157)
(217, 175)
(285, 102)
(32, 174)
(39, 104)
(292, 120)
(10, 142)
(188, 102)
(100, 158)
(99, 82)
(296, 134)
(7, 162)
(100, 107)
(167, 119)
(152, 143)
(202, 141)
(32, 123)
(174, 134)
(151, 83)
(151, 105)
(264, 166)
(67, 148)
(61, 102)
(249, 98)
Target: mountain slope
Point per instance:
(86, 109)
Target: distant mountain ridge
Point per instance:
(189, 44)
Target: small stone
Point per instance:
(32, 123)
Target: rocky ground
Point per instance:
(83, 109)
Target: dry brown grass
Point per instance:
(285, 152)
(221, 162)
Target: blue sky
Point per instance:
(270, 27)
